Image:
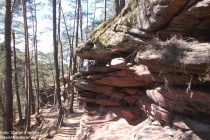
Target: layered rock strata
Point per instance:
(142, 64)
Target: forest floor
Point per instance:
(49, 130)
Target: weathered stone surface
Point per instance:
(115, 124)
(166, 77)
(193, 20)
(172, 17)
(101, 94)
(154, 111)
(195, 127)
(134, 91)
(179, 123)
(154, 15)
(106, 90)
(119, 45)
(129, 31)
(185, 101)
(156, 131)
(136, 52)
(132, 99)
(176, 78)
(161, 114)
(122, 78)
(176, 56)
(87, 94)
(103, 102)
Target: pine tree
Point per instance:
(16, 78)
(105, 10)
(119, 5)
(28, 78)
(57, 80)
(8, 70)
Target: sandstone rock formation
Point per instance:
(155, 56)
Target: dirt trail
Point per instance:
(67, 131)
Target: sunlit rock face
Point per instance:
(151, 75)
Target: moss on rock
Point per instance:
(100, 30)
(130, 21)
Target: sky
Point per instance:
(45, 33)
(45, 44)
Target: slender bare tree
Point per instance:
(74, 56)
(16, 78)
(36, 58)
(119, 5)
(87, 21)
(8, 70)
(57, 80)
(70, 45)
(94, 15)
(80, 19)
(105, 6)
(28, 79)
(60, 42)
(81, 61)
(36, 79)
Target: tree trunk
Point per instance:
(87, 21)
(122, 4)
(33, 105)
(2, 109)
(16, 78)
(80, 19)
(36, 59)
(62, 67)
(74, 59)
(36, 77)
(60, 42)
(43, 81)
(28, 81)
(117, 7)
(2, 101)
(70, 46)
(8, 70)
(94, 15)
(81, 61)
(57, 80)
(2, 106)
(104, 10)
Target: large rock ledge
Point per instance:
(146, 82)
